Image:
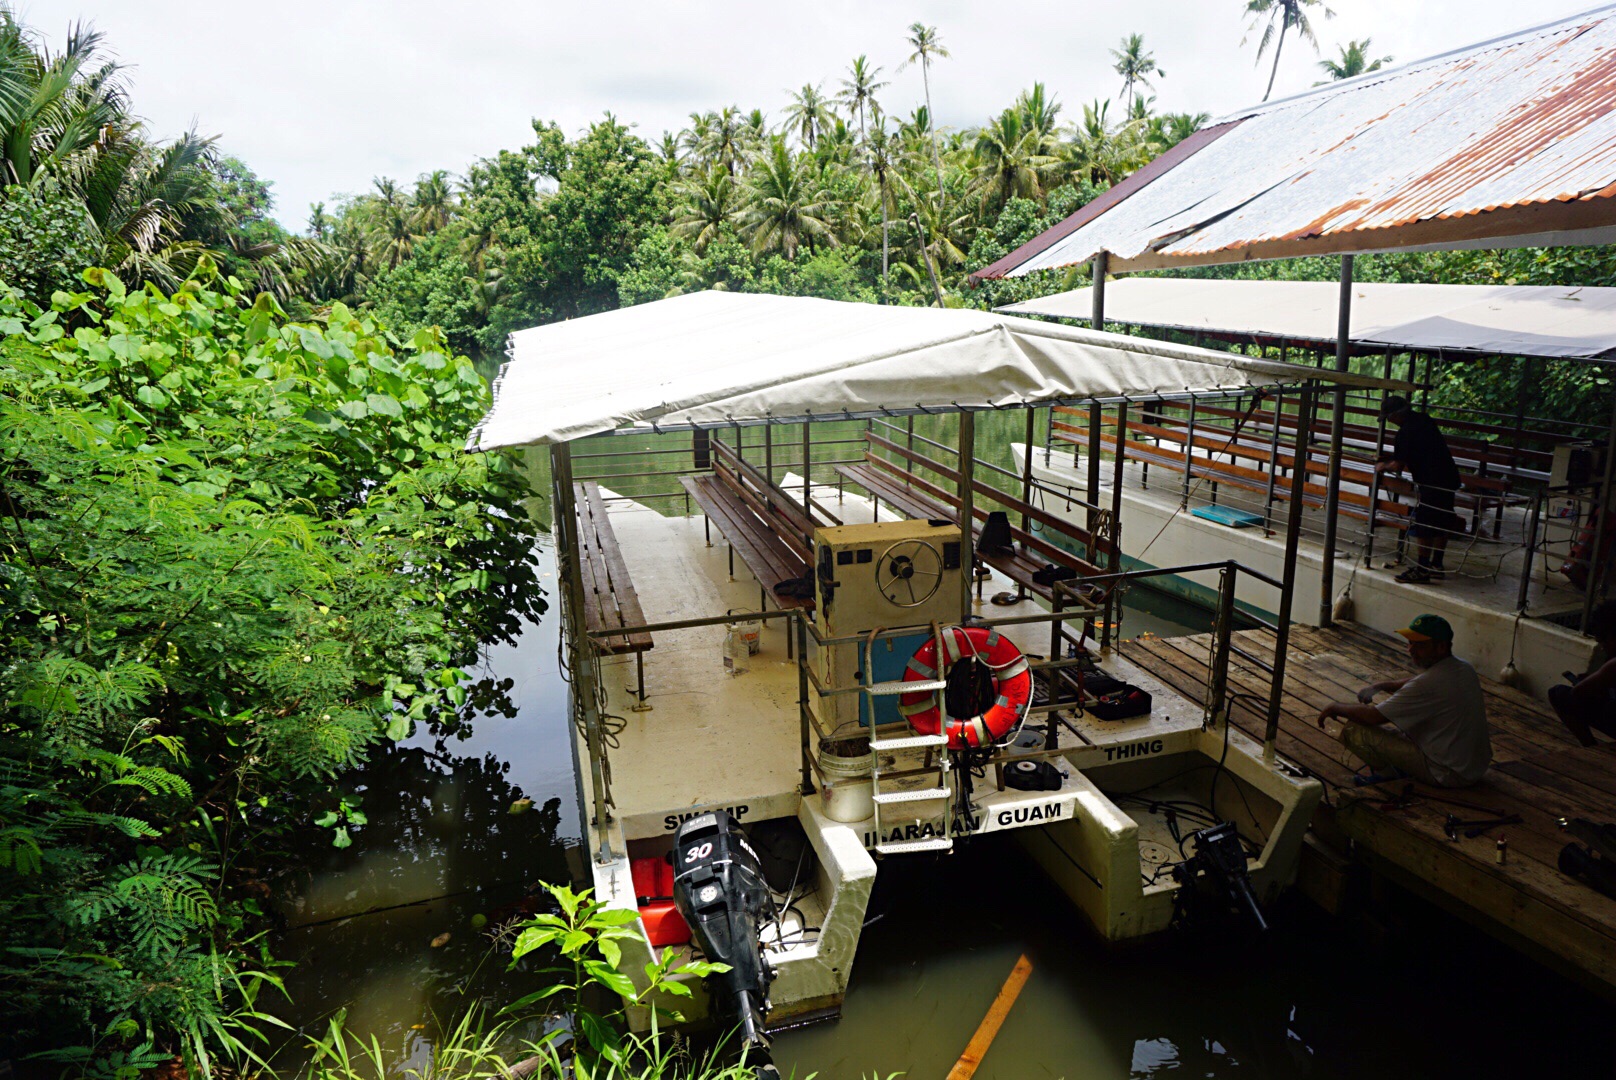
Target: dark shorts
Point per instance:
(1433, 514)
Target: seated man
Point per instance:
(1440, 714)
(1589, 703)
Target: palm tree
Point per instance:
(706, 204)
(808, 114)
(858, 91)
(1039, 112)
(434, 201)
(783, 206)
(725, 139)
(1101, 153)
(670, 151)
(1167, 131)
(1287, 13)
(1013, 160)
(1354, 61)
(320, 222)
(927, 45)
(695, 138)
(52, 107)
(1135, 65)
(138, 195)
(882, 159)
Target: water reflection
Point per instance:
(391, 929)
(1410, 997)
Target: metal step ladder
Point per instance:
(940, 790)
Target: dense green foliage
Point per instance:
(82, 184)
(238, 551)
(848, 205)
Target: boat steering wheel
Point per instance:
(909, 573)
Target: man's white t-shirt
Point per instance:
(1443, 710)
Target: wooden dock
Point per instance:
(1539, 772)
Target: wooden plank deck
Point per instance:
(1539, 772)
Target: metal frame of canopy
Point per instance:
(1504, 143)
(731, 343)
(1070, 605)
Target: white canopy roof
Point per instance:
(714, 358)
(1507, 320)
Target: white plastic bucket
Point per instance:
(847, 791)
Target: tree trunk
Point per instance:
(931, 120)
(1279, 48)
(883, 195)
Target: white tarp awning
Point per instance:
(1506, 320)
(713, 358)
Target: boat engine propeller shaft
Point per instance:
(1218, 870)
(720, 890)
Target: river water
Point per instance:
(463, 827)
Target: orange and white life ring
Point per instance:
(1012, 683)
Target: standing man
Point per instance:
(1440, 714)
(1588, 704)
(1421, 449)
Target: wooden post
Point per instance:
(967, 501)
(1332, 490)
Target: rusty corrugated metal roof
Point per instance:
(1513, 137)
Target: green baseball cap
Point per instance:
(1429, 628)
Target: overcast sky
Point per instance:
(319, 97)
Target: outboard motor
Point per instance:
(719, 888)
(1216, 878)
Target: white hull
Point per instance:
(710, 740)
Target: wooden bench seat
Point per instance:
(919, 500)
(610, 602)
(1389, 514)
(771, 556)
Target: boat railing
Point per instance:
(696, 454)
(1230, 451)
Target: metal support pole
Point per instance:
(808, 468)
(768, 453)
(1596, 565)
(582, 650)
(1380, 450)
(1097, 321)
(1115, 562)
(1287, 590)
(1531, 548)
(799, 627)
(1273, 461)
(1026, 468)
(967, 501)
(1217, 683)
(1189, 456)
(1332, 490)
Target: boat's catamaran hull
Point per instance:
(1129, 790)
(669, 731)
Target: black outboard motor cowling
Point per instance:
(718, 887)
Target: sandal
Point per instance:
(1414, 575)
